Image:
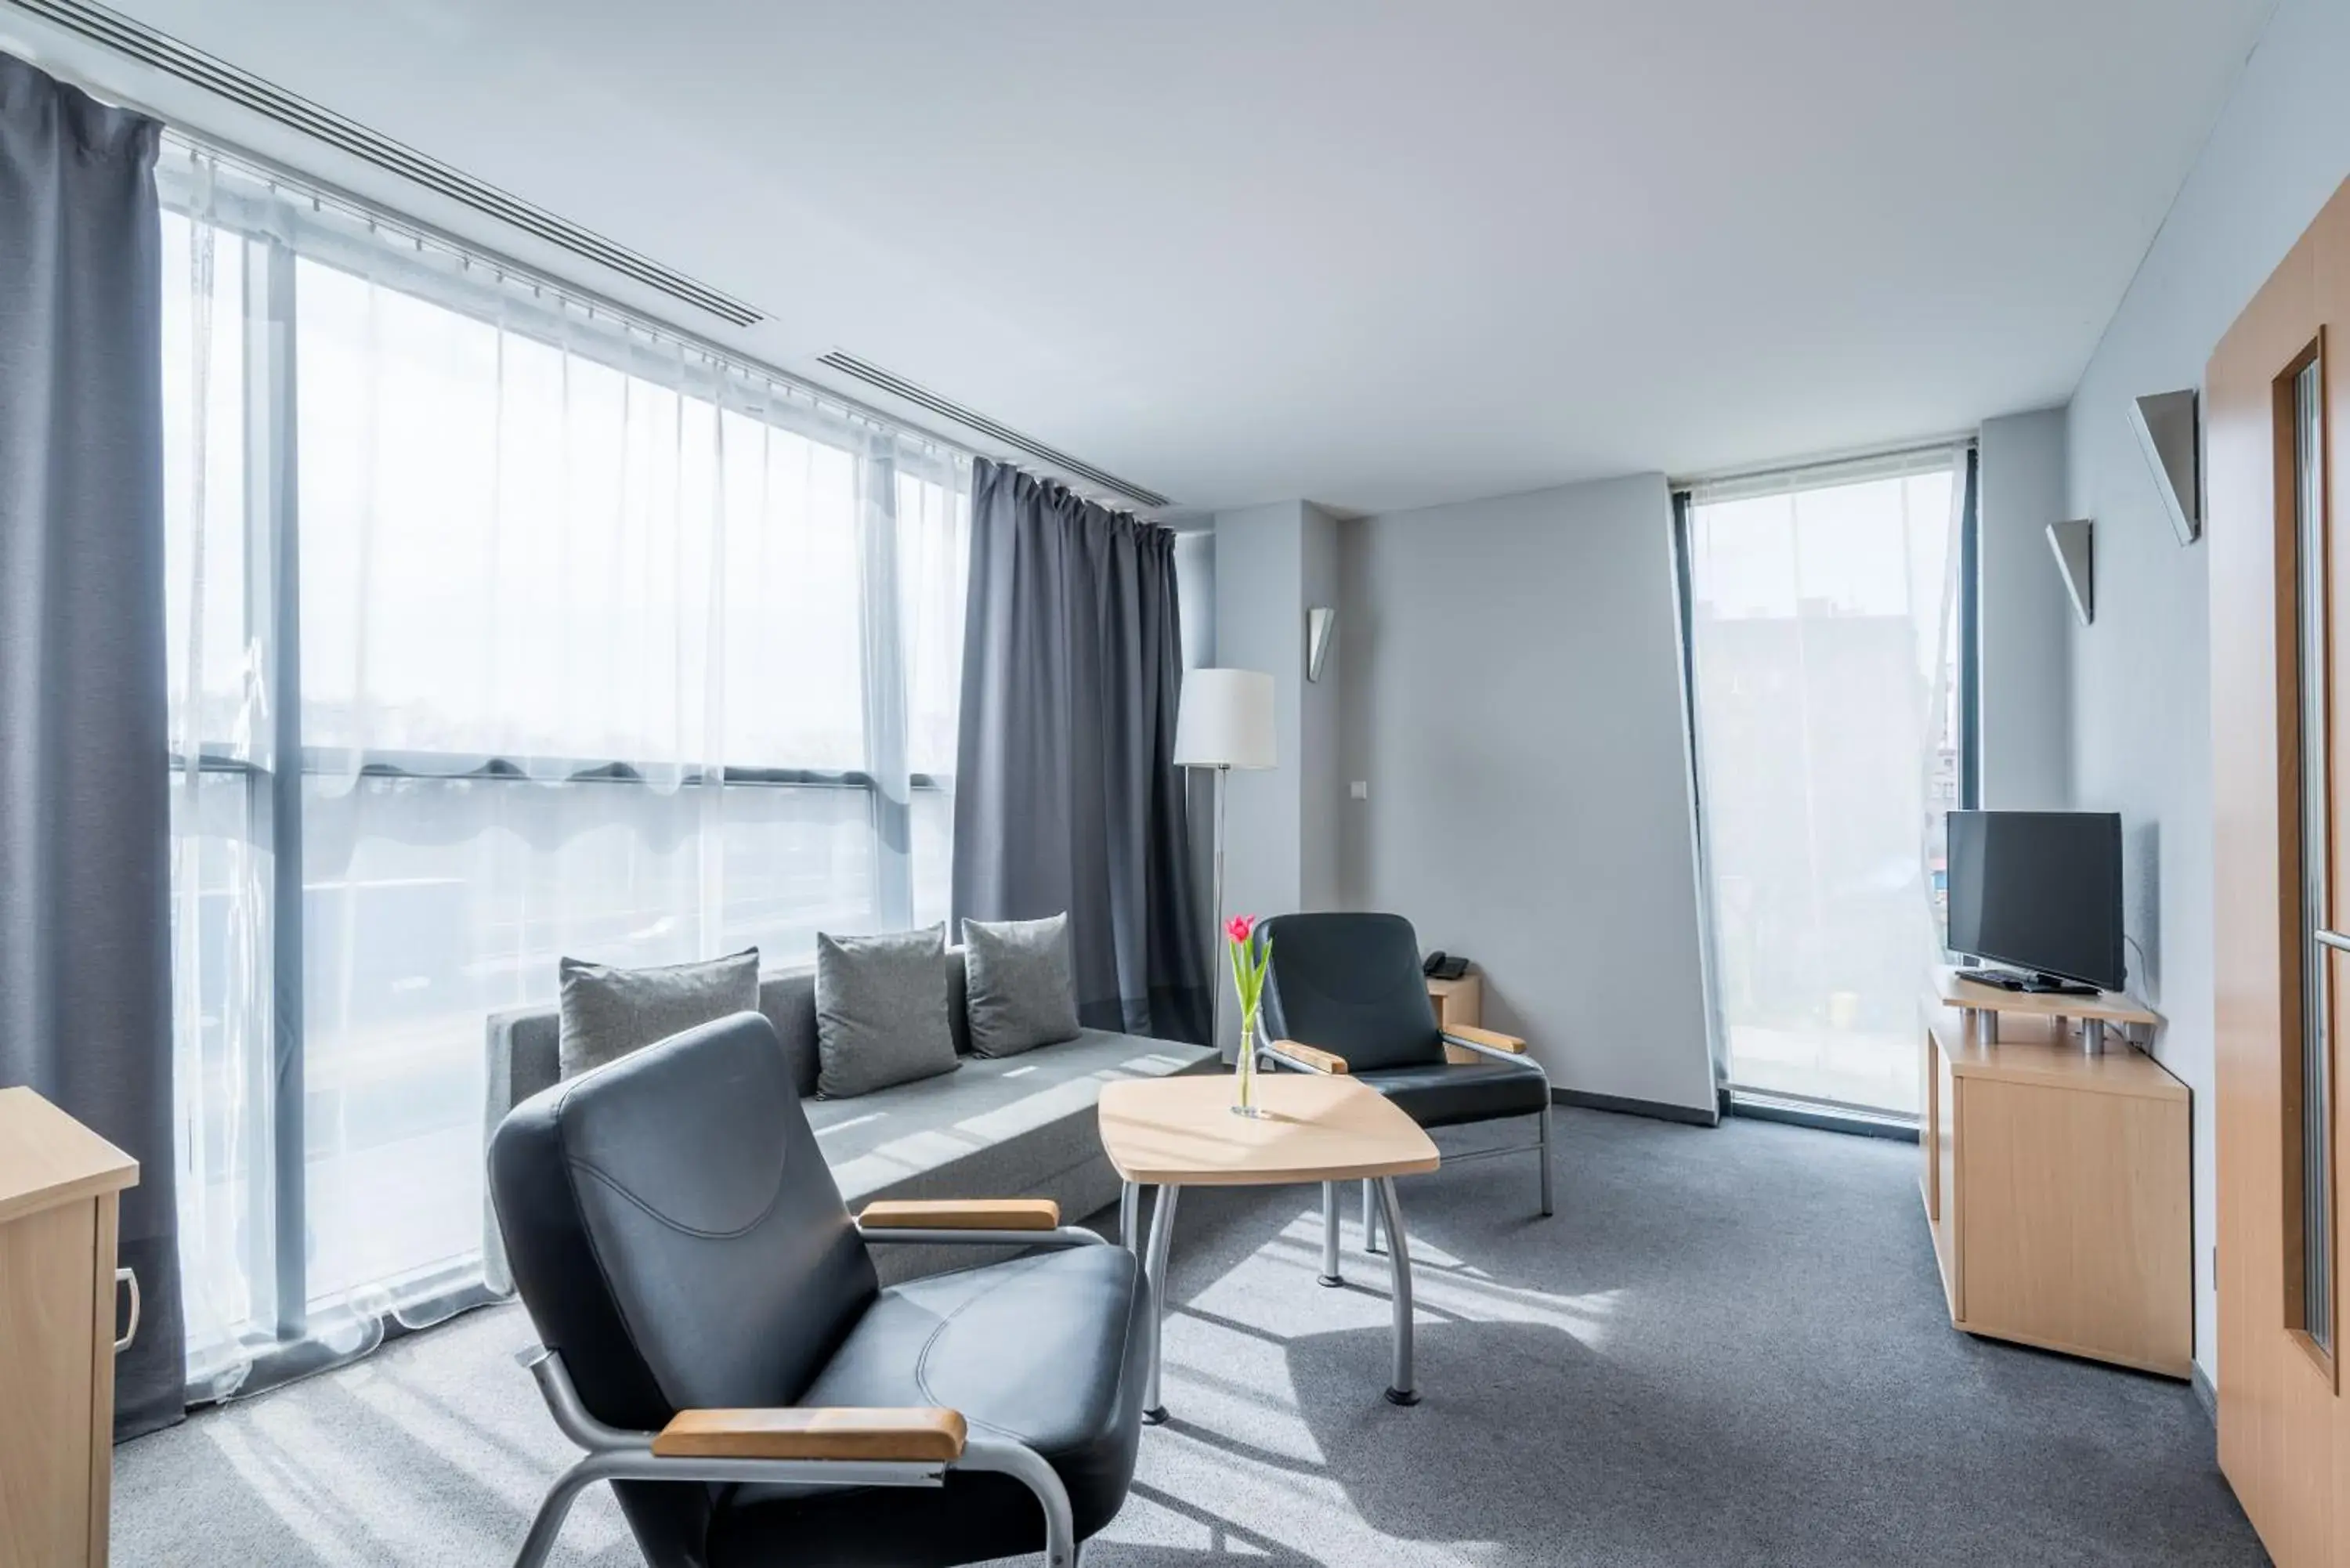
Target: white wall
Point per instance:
(2141, 689)
(1511, 693)
(2026, 690)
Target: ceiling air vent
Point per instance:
(1051, 457)
(167, 54)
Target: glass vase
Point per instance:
(1244, 1071)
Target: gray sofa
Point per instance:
(1014, 1126)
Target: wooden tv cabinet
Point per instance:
(2056, 1178)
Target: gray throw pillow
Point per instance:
(1020, 989)
(881, 1011)
(609, 1011)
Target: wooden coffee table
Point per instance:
(1173, 1132)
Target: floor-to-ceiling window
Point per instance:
(501, 630)
(1828, 697)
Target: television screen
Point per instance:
(2039, 890)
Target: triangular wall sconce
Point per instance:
(2165, 423)
(1321, 621)
(2075, 545)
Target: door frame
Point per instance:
(2284, 1436)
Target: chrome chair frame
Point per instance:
(1270, 1052)
(614, 1454)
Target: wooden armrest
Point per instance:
(1308, 1057)
(932, 1433)
(961, 1214)
(1492, 1039)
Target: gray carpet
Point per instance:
(1727, 1347)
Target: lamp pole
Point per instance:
(1216, 933)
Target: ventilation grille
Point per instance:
(167, 54)
(1052, 457)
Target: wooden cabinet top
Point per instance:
(2108, 1006)
(47, 1157)
(2019, 1058)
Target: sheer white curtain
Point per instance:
(601, 649)
(221, 761)
(1824, 647)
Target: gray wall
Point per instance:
(2026, 687)
(2141, 687)
(1258, 589)
(1510, 685)
(1282, 850)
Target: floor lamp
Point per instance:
(1225, 721)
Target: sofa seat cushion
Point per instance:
(1050, 1350)
(996, 1128)
(1445, 1094)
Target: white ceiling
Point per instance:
(1371, 254)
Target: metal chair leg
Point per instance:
(1370, 1218)
(1543, 1155)
(547, 1523)
(1330, 1276)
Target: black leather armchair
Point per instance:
(1345, 994)
(714, 1337)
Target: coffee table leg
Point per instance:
(1162, 1236)
(1129, 1218)
(1370, 1219)
(1403, 1391)
(1330, 1276)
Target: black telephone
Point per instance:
(1441, 965)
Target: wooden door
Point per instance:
(2280, 632)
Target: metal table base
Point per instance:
(1402, 1390)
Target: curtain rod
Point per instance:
(320, 195)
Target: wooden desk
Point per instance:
(1173, 1132)
(2056, 1182)
(60, 1183)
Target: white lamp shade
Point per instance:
(1225, 719)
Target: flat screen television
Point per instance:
(2040, 891)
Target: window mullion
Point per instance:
(884, 672)
(274, 492)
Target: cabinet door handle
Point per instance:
(129, 1277)
(2332, 939)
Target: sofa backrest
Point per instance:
(787, 996)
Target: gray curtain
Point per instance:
(85, 856)
(1066, 794)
